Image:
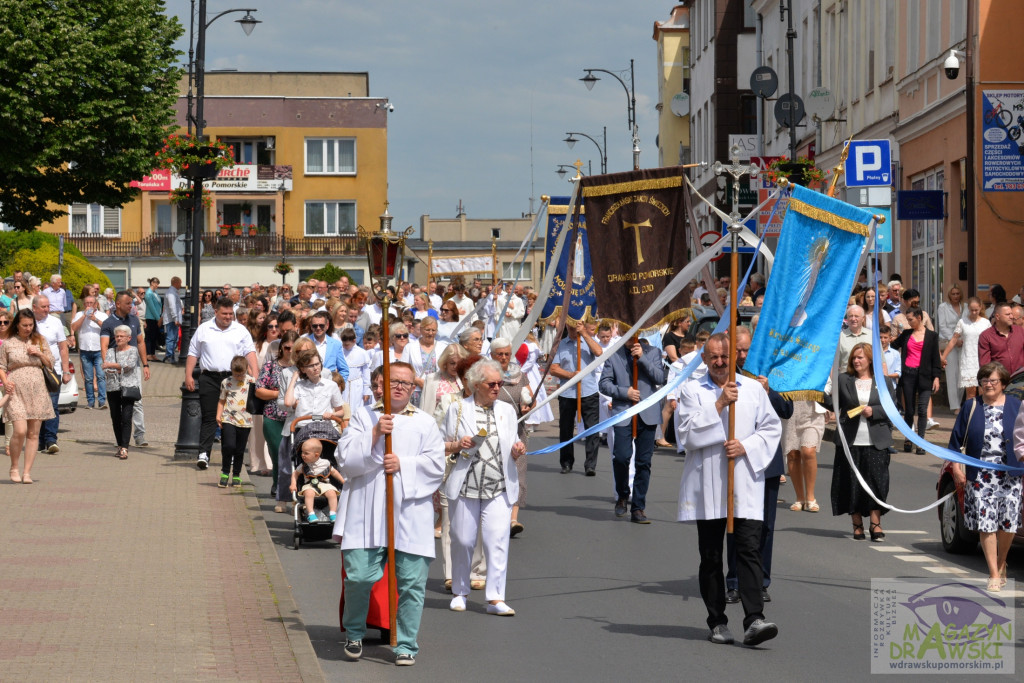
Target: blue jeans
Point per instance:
(48, 432)
(171, 341)
(622, 451)
(91, 362)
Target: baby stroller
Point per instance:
(317, 428)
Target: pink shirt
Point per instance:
(914, 353)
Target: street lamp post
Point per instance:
(602, 151)
(563, 169)
(590, 79)
(187, 445)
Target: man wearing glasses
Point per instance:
(329, 348)
(87, 324)
(417, 463)
(213, 346)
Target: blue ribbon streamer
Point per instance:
(897, 419)
(723, 324)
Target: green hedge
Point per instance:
(42, 262)
(13, 242)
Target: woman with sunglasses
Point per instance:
(449, 320)
(22, 301)
(399, 340)
(483, 485)
(207, 312)
(269, 387)
(22, 358)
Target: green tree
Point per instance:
(330, 273)
(87, 89)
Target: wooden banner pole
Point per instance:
(389, 490)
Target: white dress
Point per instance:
(531, 369)
(969, 364)
(509, 325)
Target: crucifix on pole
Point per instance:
(737, 171)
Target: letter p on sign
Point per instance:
(868, 163)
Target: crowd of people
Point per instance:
(279, 372)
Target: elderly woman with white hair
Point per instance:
(472, 340)
(515, 391)
(484, 483)
(124, 386)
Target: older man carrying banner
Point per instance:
(701, 419)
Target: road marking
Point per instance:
(946, 570)
(915, 558)
(905, 531)
(889, 549)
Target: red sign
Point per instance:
(708, 239)
(157, 181)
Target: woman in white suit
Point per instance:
(483, 485)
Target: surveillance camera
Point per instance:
(951, 66)
(391, 107)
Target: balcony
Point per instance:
(216, 245)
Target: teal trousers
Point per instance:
(363, 568)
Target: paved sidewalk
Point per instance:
(141, 569)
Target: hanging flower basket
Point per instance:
(182, 196)
(802, 171)
(283, 268)
(193, 158)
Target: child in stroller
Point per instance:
(316, 473)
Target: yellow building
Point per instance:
(311, 154)
(673, 38)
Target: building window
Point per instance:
(510, 270)
(93, 219)
(330, 218)
(259, 150)
(331, 155)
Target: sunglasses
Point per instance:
(5, 322)
(286, 348)
(400, 336)
(318, 327)
(491, 385)
(271, 327)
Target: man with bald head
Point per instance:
(855, 333)
(702, 416)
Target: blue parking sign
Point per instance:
(744, 247)
(869, 164)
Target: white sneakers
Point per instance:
(501, 610)
(458, 604)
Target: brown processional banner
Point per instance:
(637, 228)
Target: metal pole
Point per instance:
(192, 312)
(604, 152)
(790, 37)
(969, 201)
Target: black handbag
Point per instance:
(51, 379)
(253, 404)
(131, 393)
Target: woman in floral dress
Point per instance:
(22, 358)
(984, 429)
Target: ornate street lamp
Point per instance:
(385, 252)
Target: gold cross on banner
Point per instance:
(636, 233)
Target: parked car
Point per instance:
(707, 318)
(67, 402)
(956, 538)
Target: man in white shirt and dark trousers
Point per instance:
(564, 368)
(53, 332)
(213, 346)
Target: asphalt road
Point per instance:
(599, 598)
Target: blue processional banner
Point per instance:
(583, 302)
(807, 294)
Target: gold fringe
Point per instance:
(560, 210)
(666, 319)
(829, 218)
(588, 317)
(633, 186)
(804, 395)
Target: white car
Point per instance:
(67, 402)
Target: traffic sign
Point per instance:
(178, 247)
(708, 239)
(868, 164)
(744, 247)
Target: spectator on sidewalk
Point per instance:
(53, 332)
(1003, 342)
(212, 347)
(22, 357)
(171, 318)
(121, 314)
(86, 324)
(154, 309)
(59, 298)
(124, 385)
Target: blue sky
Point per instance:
(471, 82)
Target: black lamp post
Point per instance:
(385, 253)
(601, 150)
(590, 79)
(187, 445)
